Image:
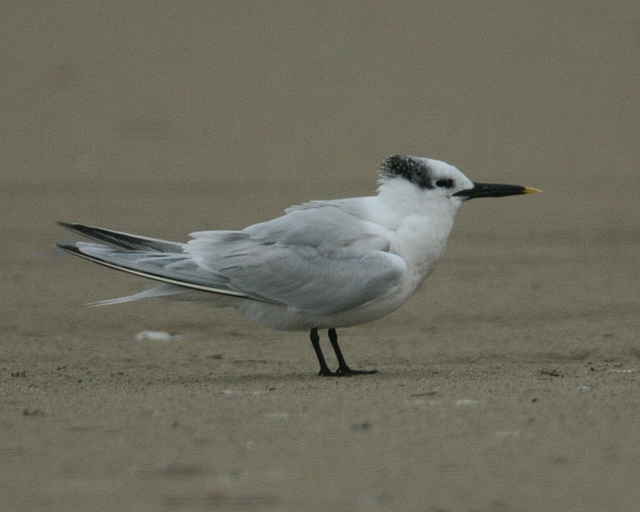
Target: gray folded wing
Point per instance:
(319, 258)
(171, 268)
(307, 279)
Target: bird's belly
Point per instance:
(284, 318)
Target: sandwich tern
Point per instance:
(322, 265)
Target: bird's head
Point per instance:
(440, 182)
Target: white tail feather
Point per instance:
(160, 291)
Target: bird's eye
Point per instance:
(445, 183)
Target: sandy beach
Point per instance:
(509, 382)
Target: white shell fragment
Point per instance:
(155, 336)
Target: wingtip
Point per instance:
(68, 248)
(71, 226)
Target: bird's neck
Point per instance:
(420, 228)
(421, 241)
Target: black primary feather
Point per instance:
(122, 240)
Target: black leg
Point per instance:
(343, 368)
(315, 342)
(342, 364)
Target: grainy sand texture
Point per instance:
(510, 382)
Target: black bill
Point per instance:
(495, 190)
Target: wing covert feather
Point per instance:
(320, 257)
(309, 280)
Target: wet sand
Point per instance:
(510, 382)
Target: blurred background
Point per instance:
(171, 117)
(162, 118)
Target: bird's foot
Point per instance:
(345, 372)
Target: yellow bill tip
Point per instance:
(531, 190)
